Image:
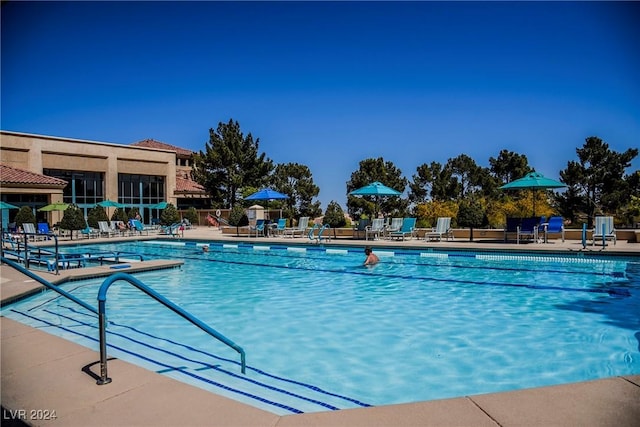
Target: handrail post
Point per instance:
(102, 301)
(102, 325)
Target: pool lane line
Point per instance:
(211, 355)
(614, 274)
(210, 366)
(198, 377)
(369, 273)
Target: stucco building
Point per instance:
(136, 175)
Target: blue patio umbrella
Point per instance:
(161, 205)
(376, 189)
(5, 218)
(533, 181)
(110, 204)
(267, 194)
(5, 205)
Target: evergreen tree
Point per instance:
(295, 181)
(96, 214)
(376, 170)
(596, 182)
(169, 215)
(230, 162)
(25, 214)
(73, 220)
(238, 218)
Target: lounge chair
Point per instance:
(89, 232)
(137, 227)
(396, 224)
(375, 229)
(361, 228)
(105, 230)
(258, 228)
(301, 229)
(603, 230)
(43, 229)
(170, 230)
(555, 225)
(279, 228)
(528, 228)
(407, 229)
(442, 228)
(511, 226)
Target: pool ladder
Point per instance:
(102, 323)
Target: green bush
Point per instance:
(25, 214)
(169, 215)
(334, 216)
(96, 214)
(192, 215)
(73, 220)
(120, 215)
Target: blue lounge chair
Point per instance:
(407, 229)
(278, 230)
(528, 228)
(555, 225)
(136, 226)
(258, 228)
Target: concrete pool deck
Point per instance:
(42, 374)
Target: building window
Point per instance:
(85, 189)
(139, 191)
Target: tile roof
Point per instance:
(11, 175)
(152, 143)
(188, 186)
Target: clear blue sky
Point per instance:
(329, 84)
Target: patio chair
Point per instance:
(528, 228)
(279, 228)
(603, 230)
(555, 225)
(407, 229)
(258, 228)
(170, 230)
(396, 224)
(375, 229)
(301, 229)
(442, 228)
(89, 233)
(137, 227)
(104, 229)
(44, 231)
(511, 226)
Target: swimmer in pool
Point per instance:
(371, 257)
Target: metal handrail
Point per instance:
(28, 248)
(49, 285)
(102, 300)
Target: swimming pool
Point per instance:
(322, 332)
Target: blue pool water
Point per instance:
(321, 332)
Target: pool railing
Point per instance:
(102, 300)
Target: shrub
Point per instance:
(169, 215)
(334, 215)
(25, 214)
(73, 220)
(96, 214)
(192, 216)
